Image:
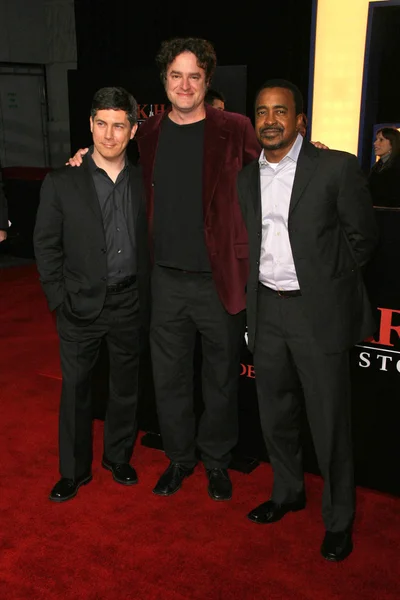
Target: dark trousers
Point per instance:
(285, 354)
(118, 324)
(184, 304)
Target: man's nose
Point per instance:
(109, 131)
(185, 83)
(269, 118)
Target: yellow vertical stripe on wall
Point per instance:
(338, 72)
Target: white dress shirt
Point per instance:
(277, 269)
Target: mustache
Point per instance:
(271, 128)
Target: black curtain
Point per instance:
(273, 39)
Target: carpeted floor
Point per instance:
(118, 543)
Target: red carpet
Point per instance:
(117, 543)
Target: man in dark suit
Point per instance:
(311, 230)
(191, 155)
(91, 247)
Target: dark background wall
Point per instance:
(271, 38)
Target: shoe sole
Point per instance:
(109, 468)
(84, 482)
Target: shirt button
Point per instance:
(119, 251)
(118, 229)
(103, 250)
(104, 278)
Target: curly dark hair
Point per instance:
(202, 49)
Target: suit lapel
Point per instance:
(216, 138)
(85, 184)
(255, 188)
(306, 165)
(135, 191)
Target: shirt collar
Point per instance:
(92, 165)
(293, 153)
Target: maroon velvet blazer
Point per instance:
(229, 144)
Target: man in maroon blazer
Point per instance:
(191, 155)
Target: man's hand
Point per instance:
(76, 160)
(3, 235)
(320, 146)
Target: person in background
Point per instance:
(384, 177)
(91, 248)
(215, 99)
(311, 230)
(3, 213)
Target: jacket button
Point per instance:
(104, 278)
(103, 250)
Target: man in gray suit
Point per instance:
(311, 229)
(91, 248)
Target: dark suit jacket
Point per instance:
(332, 231)
(384, 183)
(70, 245)
(229, 143)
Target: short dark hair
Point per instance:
(202, 49)
(288, 85)
(115, 98)
(212, 95)
(391, 134)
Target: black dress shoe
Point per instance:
(270, 511)
(337, 545)
(219, 484)
(65, 489)
(122, 472)
(171, 480)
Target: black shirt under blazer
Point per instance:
(70, 245)
(332, 231)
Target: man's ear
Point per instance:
(299, 121)
(133, 131)
(91, 124)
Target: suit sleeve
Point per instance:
(48, 243)
(356, 211)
